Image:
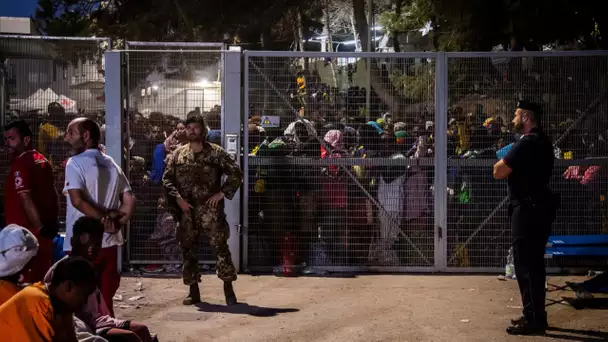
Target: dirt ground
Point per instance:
(361, 308)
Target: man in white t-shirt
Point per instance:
(95, 186)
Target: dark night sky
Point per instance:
(17, 8)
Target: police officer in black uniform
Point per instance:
(528, 167)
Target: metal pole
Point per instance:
(368, 91)
(441, 158)
(220, 46)
(114, 114)
(231, 131)
(2, 95)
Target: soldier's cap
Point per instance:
(195, 119)
(532, 106)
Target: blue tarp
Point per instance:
(577, 251)
(577, 240)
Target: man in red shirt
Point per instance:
(31, 199)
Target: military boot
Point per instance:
(194, 296)
(229, 293)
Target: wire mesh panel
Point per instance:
(48, 81)
(338, 177)
(164, 87)
(483, 92)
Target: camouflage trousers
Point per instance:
(203, 220)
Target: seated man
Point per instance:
(43, 312)
(17, 247)
(86, 243)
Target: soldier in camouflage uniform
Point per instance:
(193, 183)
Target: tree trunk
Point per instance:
(300, 29)
(300, 25)
(395, 34)
(361, 24)
(355, 34)
(383, 88)
(328, 43)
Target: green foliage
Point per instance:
(417, 86)
(480, 24)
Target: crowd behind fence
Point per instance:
(334, 179)
(48, 81)
(373, 204)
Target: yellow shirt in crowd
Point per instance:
(28, 316)
(46, 133)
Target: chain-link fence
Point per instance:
(483, 92)
(336, 178)
(373, 203)
(165, 84)
(48, 81)
(340, 148)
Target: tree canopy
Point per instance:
(479, 25)
(456, 24)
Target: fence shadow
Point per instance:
(591, 303)
(244, 309)
(587, 335)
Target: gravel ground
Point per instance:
(361, 308)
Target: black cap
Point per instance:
(527, 105)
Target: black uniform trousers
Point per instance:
(531, 227)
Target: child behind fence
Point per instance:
(164, 232)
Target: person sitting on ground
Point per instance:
(86, 243)
(44, 312)
(17, 247)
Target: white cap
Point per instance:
(17, 247)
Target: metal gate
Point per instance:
(434, 206)
(48, 81)
(163, 83)
(303, 205)
(417, 199)
(572, 87)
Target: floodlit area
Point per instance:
(353, 308)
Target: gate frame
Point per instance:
(439, 182)
(230, 80)
(510, 54)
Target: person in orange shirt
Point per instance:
(44, 313)
(17, 247)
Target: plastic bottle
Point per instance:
(510, 267)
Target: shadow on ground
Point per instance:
(244, 309)
(576, 335)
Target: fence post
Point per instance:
(245, 198)
(231, 131)
(114, 117)
(441, 159)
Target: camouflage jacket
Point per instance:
(198, 176)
